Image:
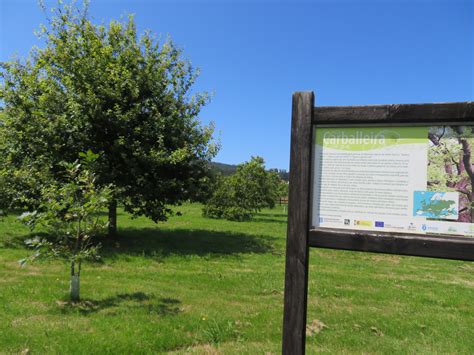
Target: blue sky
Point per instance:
(254, 54)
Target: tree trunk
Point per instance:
(113, 218)
(74, 287)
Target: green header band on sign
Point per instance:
(369, 138)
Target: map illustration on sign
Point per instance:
(436, 205)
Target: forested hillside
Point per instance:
(229, 169)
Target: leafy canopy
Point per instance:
(69, 213)
(240, 196)
(104, 88)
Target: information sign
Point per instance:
(394, 179)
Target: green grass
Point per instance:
(196, 285)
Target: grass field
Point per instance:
(195, 285)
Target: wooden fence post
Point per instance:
(296, 273)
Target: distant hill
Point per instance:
(229, 169)
(224, 169)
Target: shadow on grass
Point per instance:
(274, 214)
(161, 306)
(158, 243)
(18, 241)
(269, 220)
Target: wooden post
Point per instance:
(300, 237)
(296, 273)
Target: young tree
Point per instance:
(240, 196)
(70, 214)
(123, 96)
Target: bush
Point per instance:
(222, 203)
(232, 213)
(240, 196)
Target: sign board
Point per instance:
(411, 179)
(393, 179)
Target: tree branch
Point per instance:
(433, 138)
(466, 158)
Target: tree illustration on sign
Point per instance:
(450, 166)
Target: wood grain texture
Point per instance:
(296, 272)
(462, 112)
(446, 247)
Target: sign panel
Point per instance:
(394, 179)
(381, 178)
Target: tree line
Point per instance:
(229, 169)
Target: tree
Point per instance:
(450, 165)
(240, 196)
(69, 212)
(283, 189)
(105, 89)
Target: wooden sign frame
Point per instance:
(305, 116)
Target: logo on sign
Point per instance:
(363, 223)
(379, 224)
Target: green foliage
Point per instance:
(216, 332)
(283, 188)
(447, 154)
(109, 90)
(450, 165)
(229, 169)
(224, 204)
(69, 214)
(3, 196)
(239, 196)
